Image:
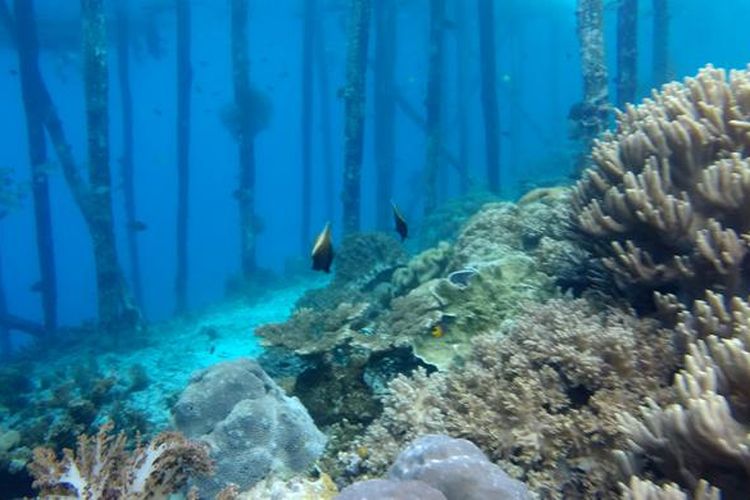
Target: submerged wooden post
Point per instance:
(660, 60)
(324, 109)
(110, 285)
(433, 103)
(184, 83)
(245, 139)
(385, 109)
(490, 112)
(306, 117)
(354, 110)
(126, 162)
(463, 56)
(28, 63)
(592, 114)
(6, 346)
(627, 52)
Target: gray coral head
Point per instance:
(457, 468)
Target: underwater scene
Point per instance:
(375, 249)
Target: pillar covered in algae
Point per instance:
(660, 59)
(354, 110)
(490, 111)
(184, 84)
(592, 114)
(110, 285)
(627, 52)
(28, 63)
(245, 140)
(433, 103)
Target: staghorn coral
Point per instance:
(102, 468)
(706, 434)
(664, 203)
(541, 398)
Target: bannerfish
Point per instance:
(401, 227)
(322, 252)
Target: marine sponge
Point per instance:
(102, 468)
(665, 202)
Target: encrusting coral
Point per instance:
(666, 199)
(541, 397)
(101, 467)
(705, 436)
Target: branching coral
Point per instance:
(706, 435)
(540, 398)
(639, 489)
(102, 468)
(666, 198)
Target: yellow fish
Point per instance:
(437, 331)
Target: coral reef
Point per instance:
(541, 397)
(102, 468)
(664, 203)
(365, 257)
(501, 227)
(705, 435)
(250, 426)
(421, 268)
(445, 222)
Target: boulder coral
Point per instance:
(251, 427)
(664, 203)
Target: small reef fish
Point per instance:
(401, 227)
(137, 226)
(437, 331)
(322, 252)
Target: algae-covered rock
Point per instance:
(439, 318)
(428, 265)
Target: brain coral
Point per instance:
(666, 198)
